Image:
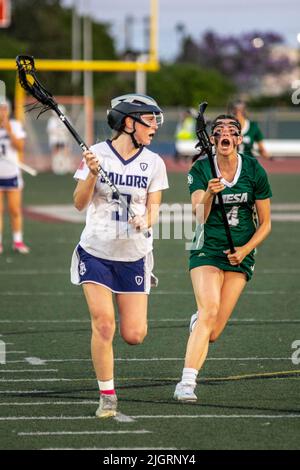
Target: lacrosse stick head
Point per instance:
(200, 122)
(28, 80)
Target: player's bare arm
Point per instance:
(206, 197)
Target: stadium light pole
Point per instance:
(298, 55)
(76, 41)
(87, 56)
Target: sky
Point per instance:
(198, 16)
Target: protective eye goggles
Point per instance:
(151, 120)
(233, 128)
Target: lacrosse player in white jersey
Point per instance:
(12, 138)
(114, 255)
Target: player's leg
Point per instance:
(1, 219)
(207, 284)
(232, 287)
(133, 317)
(14, 204)
(100, 303)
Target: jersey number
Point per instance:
(121, 214)
(232, 216)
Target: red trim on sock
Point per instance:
(107, 392)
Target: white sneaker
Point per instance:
(107, 406)
(194, 318)
(185, 392)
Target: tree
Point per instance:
(188, 85)
(42, 28)
(245, 59)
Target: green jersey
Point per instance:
(249, 184)
(251, 133)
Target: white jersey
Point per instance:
(107, 233)
(8, 154)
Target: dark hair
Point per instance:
(214, 123)
(232, 107)
(225, 116)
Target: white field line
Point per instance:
(148, 359)
(37, 272)
(191, 416)
(73, 433)
(17, 371)
(235, 416)
(15, 352)
(108, 448)
(154, 292)
(160, 320)
(24, 392)
(47, 403)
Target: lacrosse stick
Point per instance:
(29, 81)
(28, 169)
(206, 146)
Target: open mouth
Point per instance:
(225, 143)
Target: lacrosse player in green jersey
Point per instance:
(219, 276)
(250, 131)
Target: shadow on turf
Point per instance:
(69, 394)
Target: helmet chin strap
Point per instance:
(131, 134)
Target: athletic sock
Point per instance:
(189, 376)
(17, 237)
(106, 387)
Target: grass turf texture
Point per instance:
(246, 403)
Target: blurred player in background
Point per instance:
(59, 143)
(185, 136)
(114, 255)
(219, 277)
(12, 139)
(250, 131)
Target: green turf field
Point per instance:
(248, 390)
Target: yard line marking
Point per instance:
(44, 418)
(21, 392)
(27, 370)
(47, 403)
(158, 292)
(47, 380)
(158, 320)
(72, 433)
(109, 448)
(33, 272)
(235, 416)
(37, 272)
(154, 359)
(15, 352)
(191, 416)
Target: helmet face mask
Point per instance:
(150, 120)
(134, 106)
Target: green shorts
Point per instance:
(202, 259)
